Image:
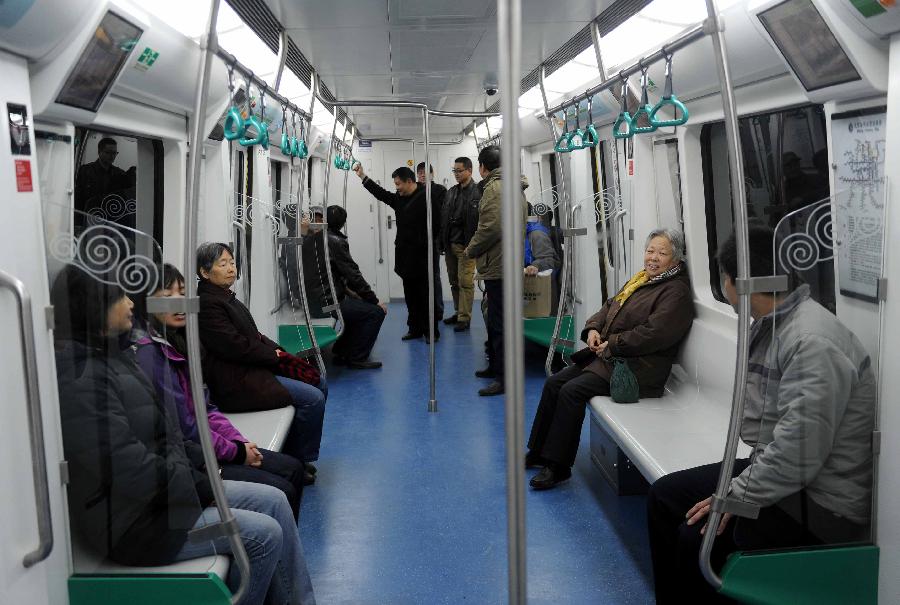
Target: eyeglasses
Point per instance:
(459, 171)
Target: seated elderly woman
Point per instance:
(137, 487)
(643, 325)
(241, 364)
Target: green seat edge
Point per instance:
(822, 576)
(540, 330)
(191, 589)
(294, 338)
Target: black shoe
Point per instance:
(452, 319)
(486, 373)
(461, 326)
(308, 478)
(437, 337)
(495, 388)
(364, 365)
(534, 460)
(411, 336)
(550, 476)
(310, 468)
(339, 361)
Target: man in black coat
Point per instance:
(438, 199)
(410, 244)
(362, 311)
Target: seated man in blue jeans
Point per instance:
(809, 414)
(362, 311)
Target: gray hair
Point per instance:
(207, 255)
(675, 237)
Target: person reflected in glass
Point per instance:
(809, 413)
(644, 325)
(136, 486)
(240, 364)
(99, 179)
(161, 351)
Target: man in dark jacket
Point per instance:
(438, 199)
(362, 311)
(459, 221)
(410, 244)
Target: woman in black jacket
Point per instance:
(240, 363)
(136, 486)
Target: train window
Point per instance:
(667, 168)
(786, 173)
(119, 179)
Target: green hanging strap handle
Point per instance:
(285, 140)
(669, 98)
(298, 148)
(645, 107)
(562, 143)
(590, 138)
(262, 133)
(234, 122)
(624, 116)
(577, 133)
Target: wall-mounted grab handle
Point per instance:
(35, 421)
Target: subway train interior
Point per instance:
(644, 288)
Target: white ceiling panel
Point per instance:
(345, 50)
(315, 14)
(405, 11)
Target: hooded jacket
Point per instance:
(486, 245)
(136, 486)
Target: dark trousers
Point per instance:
(438, 288)
(493, 289)
(415, 291)
(362, 322)
(556, 430)
(278, 470)
(675, 545)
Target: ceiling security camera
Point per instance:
(490, 90)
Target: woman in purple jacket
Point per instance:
(161, 352)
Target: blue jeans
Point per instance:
(305, 435)
(272, 540)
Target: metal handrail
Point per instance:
(739, 197)
(252, 78)
(243, 248)
(208, 46)
(35, 421)
(277, 277)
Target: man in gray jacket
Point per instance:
(809, 415)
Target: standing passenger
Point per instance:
(438, 199)
(809, 414)
(410, 245)
(458, 224)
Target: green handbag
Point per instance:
(623, 386)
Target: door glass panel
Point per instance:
(136, 486)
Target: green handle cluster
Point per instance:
(676, 121)
(262, 133)
(298, 148)
(234, 124)
(342, 163)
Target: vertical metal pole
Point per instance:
(329, 160)
(604, 234)
(595, 37)
(432, 395)
(509, 42)
(198, 134)
(283, 42)
(714, 28)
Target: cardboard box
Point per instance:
(537, 291)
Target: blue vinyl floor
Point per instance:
(410, 507)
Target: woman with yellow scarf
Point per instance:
(643, 325)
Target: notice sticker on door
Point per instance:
(23, 176)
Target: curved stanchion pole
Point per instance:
(429, 211)
(208, 43)
(242, 246)
(275, 228)
(564, 199)
(735, 161)
(509, 32)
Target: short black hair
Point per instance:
(104, 142)
(165, 279)
(421, 166)
(466, 162)
(489, 157)
(81, 303)
(336, 217)
(404, 174)
(207, 255)
(763, 261)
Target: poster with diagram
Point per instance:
(858, 140)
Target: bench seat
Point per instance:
(540, 330)
(86, 562)
(293, 338)
(267, 429)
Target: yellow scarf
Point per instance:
(640, 278)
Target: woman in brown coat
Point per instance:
(644, 325)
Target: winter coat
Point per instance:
(136, 487)
(809, 412)
(411, 241)
(344, 270)
(459, 219)
(542, 251)
(240, 362)
(646, 331)
(167, 369)
(486, 245)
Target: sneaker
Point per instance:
(550, 476)
(495, 388)
(486, 373)
(452, 319)
(461, 326)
